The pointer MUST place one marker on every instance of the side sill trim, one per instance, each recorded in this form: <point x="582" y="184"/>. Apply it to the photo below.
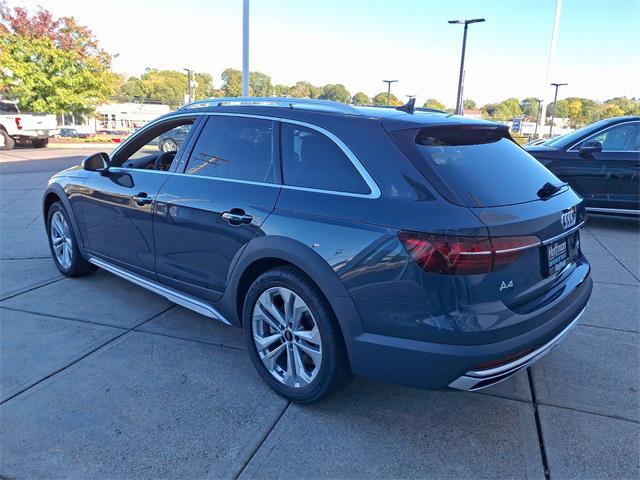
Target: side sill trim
<point x="186" y="301"/>
<point x="619" y="211"/>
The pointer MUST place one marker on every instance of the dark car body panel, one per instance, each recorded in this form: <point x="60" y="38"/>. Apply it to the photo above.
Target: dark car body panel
<point x="607" y="180"/>
<point x="399" y="322"/>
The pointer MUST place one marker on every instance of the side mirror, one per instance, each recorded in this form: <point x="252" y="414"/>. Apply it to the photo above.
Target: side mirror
<point x="590" y="147"/>
<point x="98" y="162"/>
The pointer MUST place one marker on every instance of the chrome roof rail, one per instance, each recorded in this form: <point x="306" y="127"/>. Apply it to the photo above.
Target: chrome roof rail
<point x="282" y="102"/>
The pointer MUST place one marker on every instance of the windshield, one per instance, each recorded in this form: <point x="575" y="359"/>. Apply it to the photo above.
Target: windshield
<point x="476" y="167"/>
<point x="570" y="138"/>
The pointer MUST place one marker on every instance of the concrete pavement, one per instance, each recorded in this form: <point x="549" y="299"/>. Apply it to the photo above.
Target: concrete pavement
<point x="101" y="379"/>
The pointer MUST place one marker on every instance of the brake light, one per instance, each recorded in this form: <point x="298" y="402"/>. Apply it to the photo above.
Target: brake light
<point x="454" y="255"/>
<point x="18" y="122"/>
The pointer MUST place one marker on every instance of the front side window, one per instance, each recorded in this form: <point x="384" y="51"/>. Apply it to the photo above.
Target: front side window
<point x="312" y="160"/>
<point x="156" y="147"/>
<point x="624" y="137"/>
<point x="236" y="148"/>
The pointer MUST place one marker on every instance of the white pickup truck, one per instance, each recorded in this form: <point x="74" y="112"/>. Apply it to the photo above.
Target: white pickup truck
<point x="35" y="128"/>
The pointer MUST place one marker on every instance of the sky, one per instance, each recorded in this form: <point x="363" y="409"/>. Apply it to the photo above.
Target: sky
<point x="361" y="42"/>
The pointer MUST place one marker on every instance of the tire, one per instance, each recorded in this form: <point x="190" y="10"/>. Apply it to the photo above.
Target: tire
<point x="169" y="145"/>
<point x="6" y="142"/>
<point x="319" y="363"/>
<point x="39" y="142"/>
<point x="60" y="232"/>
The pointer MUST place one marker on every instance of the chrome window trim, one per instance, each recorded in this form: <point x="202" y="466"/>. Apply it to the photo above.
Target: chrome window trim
<point x="364" y="173"/>
<point x="571" y="148"/>
<point x="169" y="293"/>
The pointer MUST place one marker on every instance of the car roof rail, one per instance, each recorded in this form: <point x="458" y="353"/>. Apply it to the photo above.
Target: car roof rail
<point x="282" y="102"/>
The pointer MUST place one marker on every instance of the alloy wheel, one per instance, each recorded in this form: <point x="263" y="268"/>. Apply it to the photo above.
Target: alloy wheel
<point x="286" y="337"/>
<point x="61" y="240"/>
<point x="169" y="146"/>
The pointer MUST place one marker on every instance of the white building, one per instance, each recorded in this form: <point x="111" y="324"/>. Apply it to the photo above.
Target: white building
<point x="127" y="116"/>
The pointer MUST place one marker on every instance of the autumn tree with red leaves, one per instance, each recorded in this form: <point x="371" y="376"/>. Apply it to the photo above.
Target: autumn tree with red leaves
<point x="52" y="65"/>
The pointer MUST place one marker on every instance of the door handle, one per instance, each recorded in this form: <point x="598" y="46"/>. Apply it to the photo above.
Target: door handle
<point x="142" y="199"/>
<point x="236" y="216"/>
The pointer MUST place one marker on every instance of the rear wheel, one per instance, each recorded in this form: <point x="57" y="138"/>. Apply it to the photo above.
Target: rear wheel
<point x="63" y="244"/>
<point x="293" y="338"/>
<point x="40" y="142"/>
<point x="6" y="142"/>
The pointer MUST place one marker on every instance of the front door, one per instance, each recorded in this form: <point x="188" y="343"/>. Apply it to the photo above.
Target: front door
<point x="117" y="207"/>
<point x="208" y="211"/>
<point x="609" y="178"/>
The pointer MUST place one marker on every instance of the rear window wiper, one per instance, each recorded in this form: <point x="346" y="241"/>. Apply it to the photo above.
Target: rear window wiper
<point x="549" y="189"/>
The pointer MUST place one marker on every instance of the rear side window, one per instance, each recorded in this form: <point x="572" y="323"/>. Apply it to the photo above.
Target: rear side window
<point x="475" y="166"/>
<point x="312" y="160"/>
<point x="236" y="148"/>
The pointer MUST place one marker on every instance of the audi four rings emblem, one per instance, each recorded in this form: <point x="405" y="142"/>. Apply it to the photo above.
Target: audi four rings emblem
<point x="568" y="218"/>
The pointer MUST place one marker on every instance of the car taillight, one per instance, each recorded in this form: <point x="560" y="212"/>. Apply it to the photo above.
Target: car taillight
<point x="454" y="255"/>
<point x="18" y="122"/>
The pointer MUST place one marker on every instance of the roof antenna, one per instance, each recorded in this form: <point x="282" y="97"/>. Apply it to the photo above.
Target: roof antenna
<point x="409" y="107"/>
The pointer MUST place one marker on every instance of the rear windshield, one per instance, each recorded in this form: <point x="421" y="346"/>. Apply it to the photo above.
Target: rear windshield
<point x="475" y="166"/>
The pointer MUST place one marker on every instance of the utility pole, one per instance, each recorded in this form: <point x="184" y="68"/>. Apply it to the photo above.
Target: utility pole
<point x="539" y="100"/>
<point x="189" y="82"/>
<point x="464" y="47"/>
<point x="555" y="104"/>
<point x="552" y="52"/>
<point x="245" y="48"/>
<point x="389" y="82"/>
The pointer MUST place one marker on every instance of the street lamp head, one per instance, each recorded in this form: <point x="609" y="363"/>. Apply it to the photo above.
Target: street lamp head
<point x="465" y="22"/>
<point x="390" y="81"/>
<point x="558" y="84"/>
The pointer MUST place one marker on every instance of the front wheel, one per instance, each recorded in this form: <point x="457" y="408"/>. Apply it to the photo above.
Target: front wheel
<point x="293" y="338"/>
<point x="63" y="244"/>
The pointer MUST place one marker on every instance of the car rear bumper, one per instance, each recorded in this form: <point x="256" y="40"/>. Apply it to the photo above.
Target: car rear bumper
<point x="479" y="379"/>
<point x="436" y="366"/>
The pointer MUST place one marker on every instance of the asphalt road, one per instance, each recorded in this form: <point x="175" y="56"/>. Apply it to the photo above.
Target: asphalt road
<point x="101" y="379"/>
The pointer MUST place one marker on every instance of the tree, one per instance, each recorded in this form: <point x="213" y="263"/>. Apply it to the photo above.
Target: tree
<point x="381" y="99"/>
<point x="562" y="110"/>
<point x="336" y="92"/>
<point x="575" y="113"/>
<point x="469" y="104"/>
<point x="434" y="104"/>
<point x="280" y="90"/>
<point x="260" y="85"/>
<point x="610" y="110"/>
<point x="232" y="82"/>
<point x="360" y="99"/>
<point x="304" y="90"/>
<point x="52" y="65"/>
<point x="530" y="108"/>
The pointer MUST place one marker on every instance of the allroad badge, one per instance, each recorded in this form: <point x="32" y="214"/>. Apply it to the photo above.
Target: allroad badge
<point x="568" y="218"/>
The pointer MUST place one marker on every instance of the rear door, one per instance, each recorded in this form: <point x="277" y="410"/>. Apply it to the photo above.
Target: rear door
<point x="209" y="210"/>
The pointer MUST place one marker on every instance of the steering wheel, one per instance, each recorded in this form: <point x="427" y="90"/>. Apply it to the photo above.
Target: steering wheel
<point x="163" y="161"/>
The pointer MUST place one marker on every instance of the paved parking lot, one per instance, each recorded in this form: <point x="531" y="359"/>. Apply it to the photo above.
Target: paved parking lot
<point x="101" y="379"/>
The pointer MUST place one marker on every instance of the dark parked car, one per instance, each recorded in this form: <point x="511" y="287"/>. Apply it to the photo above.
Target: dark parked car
<point x="601" y="162"/>
<point x="412" y="247"/>
<point x="171" y="141"/>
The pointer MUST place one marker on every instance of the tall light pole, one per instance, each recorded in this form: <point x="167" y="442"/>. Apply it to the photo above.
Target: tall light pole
<point x="464" y="47"/>
<point x="389" y="82"/>
<point x="245" y="48"/>
<point x="539" y="100"/>
<point x="555" y="104"/>
<point x="552" y="52"/>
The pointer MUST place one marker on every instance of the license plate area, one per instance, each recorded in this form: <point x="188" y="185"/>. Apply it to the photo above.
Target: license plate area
<point x="560" y="253"/>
